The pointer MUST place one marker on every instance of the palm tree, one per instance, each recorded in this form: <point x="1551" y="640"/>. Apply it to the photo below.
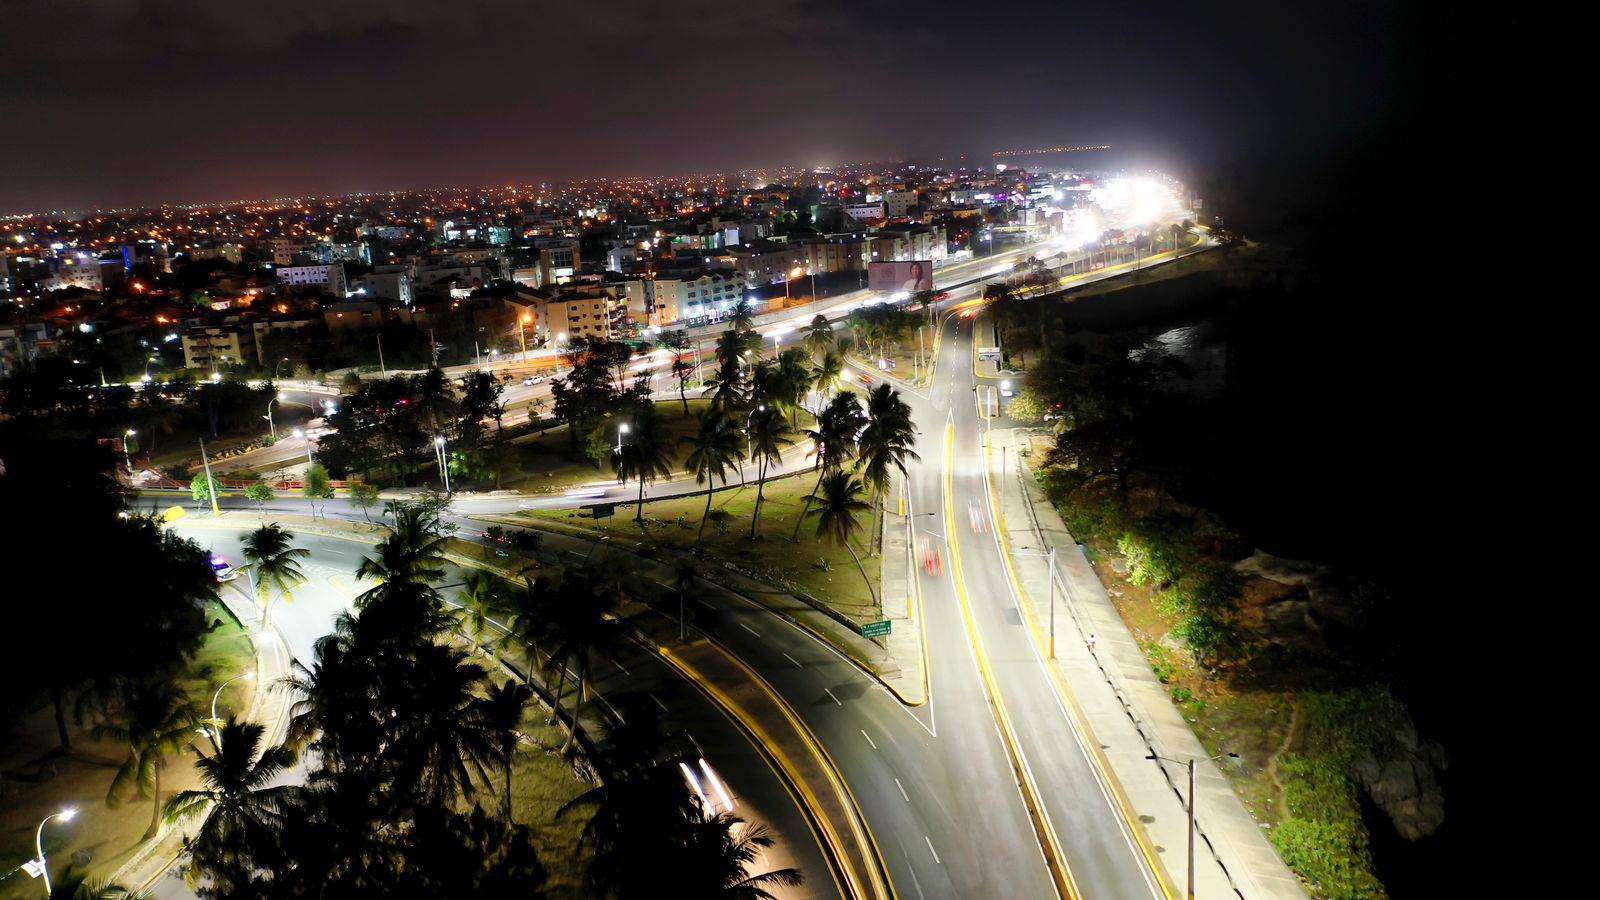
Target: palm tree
<point x="716" y="857"/>
<point x="580" y="627"/>
<point x="827" y="375"/>
<point x="77" y="885"/>
<point x="819" y="336"/>
<point x="441" y="741"/>
<point x="528" y="619"/>
<point x="502" y="712"/>
<point x="885" y="444"/>
<point x="274" y="564"/>
<point x="434" y="402"/>
<point x="413" y="552"/>
<point x="835" y="438"/>
<point x="791" y="381"/>
<point x="482" y="594"/>
<point x="643" y="456"/>
<point x="727" y="388"/>
<point x="740" y="316"/>
<point x="237" y="791"/>
<point x="156" y="719"/>
<point x="838" y="499"/>
<point x="640" y="805"/>
<point x="769" y="434"/>
<point x="713" y="449"/>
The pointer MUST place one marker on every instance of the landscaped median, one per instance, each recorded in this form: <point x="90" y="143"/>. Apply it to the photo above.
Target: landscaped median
<point x="817" y="585"/>
<point x="775" y="730"/>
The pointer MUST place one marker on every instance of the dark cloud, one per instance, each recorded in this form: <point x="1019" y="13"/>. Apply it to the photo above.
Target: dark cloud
<point x="111" y="102"/>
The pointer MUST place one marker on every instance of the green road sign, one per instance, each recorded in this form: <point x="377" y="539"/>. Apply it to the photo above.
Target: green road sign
<point x="876" y="629"/>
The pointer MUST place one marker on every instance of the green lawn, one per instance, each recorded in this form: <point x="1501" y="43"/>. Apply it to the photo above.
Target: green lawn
<point x="107" y="835"/>
<point x="824" y="571"/>
<point x="542" y="783"/>
<point x="548" y="464"/>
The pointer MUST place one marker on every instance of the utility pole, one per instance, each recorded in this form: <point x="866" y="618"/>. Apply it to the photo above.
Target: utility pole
<point x="1050" y="576"/>
<point x="211" y="485"/>
<point x="433" y="346"/>
<point x="381" y="367"/>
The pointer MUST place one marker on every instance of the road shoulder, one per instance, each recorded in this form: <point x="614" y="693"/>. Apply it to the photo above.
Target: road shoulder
<point x="1122" y="703"/>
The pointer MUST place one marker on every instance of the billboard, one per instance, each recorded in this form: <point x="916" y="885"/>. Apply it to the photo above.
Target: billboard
<point x="897" y="277"/>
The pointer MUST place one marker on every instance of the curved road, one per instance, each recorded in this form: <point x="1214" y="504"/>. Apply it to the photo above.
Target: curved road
<point x="939" y="783"/>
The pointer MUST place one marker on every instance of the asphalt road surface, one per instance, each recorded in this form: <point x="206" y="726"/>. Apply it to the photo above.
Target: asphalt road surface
<point x="936" y="783"/>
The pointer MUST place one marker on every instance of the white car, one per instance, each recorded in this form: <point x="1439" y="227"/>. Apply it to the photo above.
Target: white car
<point x="533" y="380"/>
<point x="224" y="571"/>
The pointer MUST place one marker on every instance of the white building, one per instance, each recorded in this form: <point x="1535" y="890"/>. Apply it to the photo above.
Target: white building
<point x="329" y="277"/>
<point x="865" y="212"/>
<point x="387" y="283"/>
<point x="899" y="203"/>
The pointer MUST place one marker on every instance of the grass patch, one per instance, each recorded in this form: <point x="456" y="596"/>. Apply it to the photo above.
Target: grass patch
<point x="826" y="572"/>
<point x="548" y="463"/>
<point x="108" y="835"/>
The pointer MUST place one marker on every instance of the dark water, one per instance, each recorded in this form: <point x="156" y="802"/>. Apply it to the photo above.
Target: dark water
<point x="1309" y="428"/>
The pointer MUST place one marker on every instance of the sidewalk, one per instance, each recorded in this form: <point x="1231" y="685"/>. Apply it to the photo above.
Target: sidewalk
<point x="269" y="705"/>
<point x="1125" y="707"/>
<point x="904" y="645"/>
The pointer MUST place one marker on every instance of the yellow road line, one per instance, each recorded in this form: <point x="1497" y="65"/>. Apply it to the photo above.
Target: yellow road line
<point x="881" y="885"/>
<point x="1097" y="754"/>
<point x="805" y="800"/>
<point x="1055" y="859"/>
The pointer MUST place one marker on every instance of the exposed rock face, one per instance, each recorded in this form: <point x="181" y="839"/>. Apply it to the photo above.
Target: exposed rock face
<point x="1404" y="785"/>
<point x="1289" y="603"/>
<point x="1300" y="606"/>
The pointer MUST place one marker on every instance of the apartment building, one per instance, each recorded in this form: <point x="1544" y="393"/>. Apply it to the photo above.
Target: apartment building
<point x="330" y="278"/>
<point x="213" y="346"/>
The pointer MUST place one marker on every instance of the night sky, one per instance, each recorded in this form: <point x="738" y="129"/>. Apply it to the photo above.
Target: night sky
<point x="109" y="103"/>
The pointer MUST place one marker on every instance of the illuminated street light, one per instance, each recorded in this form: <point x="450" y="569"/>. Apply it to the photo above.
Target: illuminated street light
<point x="216" y="723"/>
<point x="303" y="436"/>
<point x="442" y="455"/>
<point x="272" y="429"/>
<point x="40" y="864"/>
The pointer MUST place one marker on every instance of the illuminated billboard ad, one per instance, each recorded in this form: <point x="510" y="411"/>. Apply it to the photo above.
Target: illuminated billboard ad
<point x="895" y="277"/>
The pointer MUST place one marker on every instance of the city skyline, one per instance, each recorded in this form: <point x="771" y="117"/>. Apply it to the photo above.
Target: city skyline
<point x="200" y="103"/>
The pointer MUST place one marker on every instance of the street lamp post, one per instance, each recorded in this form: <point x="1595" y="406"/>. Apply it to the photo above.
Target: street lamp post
<point x="1190" y="765"/>
<point x="125" y="435"/>
<point x="790" y="276"/>
<point x="1050" y="585"/>
<point x="272" y="427"/>
<point x="307" y="438"/>
<point x="216" y="726"/>
<point x="440" y="451"/>
<point x="278" y="366"/>
<point x="622" y="429"/>
<point x="38" y="844"/>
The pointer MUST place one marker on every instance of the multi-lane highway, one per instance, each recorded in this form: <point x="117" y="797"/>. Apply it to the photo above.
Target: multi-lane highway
<point x="987" y="789"/>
